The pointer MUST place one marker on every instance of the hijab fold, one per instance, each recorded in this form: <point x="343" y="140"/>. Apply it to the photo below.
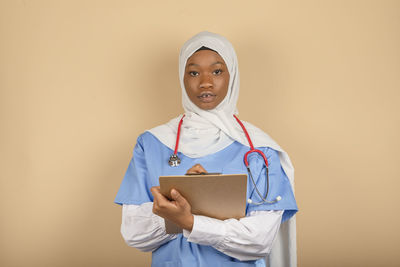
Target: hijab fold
<point x="206" y="132"/>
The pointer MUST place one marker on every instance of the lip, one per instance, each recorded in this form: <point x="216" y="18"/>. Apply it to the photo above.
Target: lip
<point x="207" y="99"/>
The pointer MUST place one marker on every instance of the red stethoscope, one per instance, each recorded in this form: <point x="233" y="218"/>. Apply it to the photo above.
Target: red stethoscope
<point x="174" y="161"/>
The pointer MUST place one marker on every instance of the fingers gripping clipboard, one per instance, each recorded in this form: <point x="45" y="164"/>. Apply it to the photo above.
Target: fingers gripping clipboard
<point x="220" y="196"/>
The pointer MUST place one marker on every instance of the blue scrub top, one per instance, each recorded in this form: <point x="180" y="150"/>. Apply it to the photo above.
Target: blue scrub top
<point x="150" y="161"/>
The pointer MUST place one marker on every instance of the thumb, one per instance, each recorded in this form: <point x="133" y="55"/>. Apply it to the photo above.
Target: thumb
<point x="178" y="197"/>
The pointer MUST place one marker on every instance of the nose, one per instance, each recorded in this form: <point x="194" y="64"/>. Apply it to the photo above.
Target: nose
<point x="206" y="81"/>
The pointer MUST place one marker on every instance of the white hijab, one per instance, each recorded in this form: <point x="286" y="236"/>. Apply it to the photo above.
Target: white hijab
<point x="205" y="132"/>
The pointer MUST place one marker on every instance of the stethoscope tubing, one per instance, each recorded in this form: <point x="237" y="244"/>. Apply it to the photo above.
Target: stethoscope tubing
<point x="175" y="161"/>
<point x="178" y="135"/>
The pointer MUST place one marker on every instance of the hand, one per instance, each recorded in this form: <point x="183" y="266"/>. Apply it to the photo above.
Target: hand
<point x="196" y="169"/>
<point x="178" y="210"/>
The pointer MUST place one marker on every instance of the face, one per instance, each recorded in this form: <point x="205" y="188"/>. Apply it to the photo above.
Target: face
<point x="206" y="79"/>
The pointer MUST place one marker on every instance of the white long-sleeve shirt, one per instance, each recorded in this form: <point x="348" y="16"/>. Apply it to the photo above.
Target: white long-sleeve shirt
<point x="249" y="238"/>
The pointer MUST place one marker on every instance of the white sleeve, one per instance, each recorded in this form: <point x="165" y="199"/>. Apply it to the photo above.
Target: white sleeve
<point x="249" y="238"/>
<point x="142" y="229"/>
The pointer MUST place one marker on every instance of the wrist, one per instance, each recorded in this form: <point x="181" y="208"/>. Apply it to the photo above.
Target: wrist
<point x="188" y="224"/>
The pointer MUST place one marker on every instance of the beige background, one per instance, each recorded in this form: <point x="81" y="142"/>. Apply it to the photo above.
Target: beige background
<point x="80" y="80"/>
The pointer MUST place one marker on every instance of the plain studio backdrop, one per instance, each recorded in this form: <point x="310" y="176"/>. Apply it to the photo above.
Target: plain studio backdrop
<point x="80" y="80"/>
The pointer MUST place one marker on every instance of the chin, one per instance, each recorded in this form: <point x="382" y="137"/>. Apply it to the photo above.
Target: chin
<point x="206" y="107"/>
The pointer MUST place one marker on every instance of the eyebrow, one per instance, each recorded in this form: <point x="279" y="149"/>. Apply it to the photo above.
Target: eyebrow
<point x="218" y="62"/>
<point x="197" y="65"/>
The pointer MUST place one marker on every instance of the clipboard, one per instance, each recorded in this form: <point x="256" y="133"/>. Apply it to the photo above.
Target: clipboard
<point x="220" y="196"/>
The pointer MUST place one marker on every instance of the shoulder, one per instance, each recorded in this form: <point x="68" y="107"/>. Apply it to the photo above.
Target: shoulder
<point x="164" y="134"/>
<point x="148" y="147"/>
<point x="261" y="138"/>
<point x="145" y="139"/>
<point x="270" y="152"/>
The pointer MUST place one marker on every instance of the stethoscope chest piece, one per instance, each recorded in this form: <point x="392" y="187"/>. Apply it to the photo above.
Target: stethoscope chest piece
<point x="174" y="161"/>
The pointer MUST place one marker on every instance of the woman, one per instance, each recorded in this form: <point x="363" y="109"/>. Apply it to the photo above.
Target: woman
<point x="211" y="139"/>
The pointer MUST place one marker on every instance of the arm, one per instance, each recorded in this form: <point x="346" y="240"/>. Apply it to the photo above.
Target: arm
<point x="249" y="238"/>
<point x="142" y="229"/>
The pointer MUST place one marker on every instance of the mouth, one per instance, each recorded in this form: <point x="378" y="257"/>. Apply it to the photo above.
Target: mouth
<point x="206" y="97"/>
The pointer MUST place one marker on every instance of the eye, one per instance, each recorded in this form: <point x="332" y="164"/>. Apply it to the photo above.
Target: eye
<point x="217" y="72"/>
<point x="193" y="73"/>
